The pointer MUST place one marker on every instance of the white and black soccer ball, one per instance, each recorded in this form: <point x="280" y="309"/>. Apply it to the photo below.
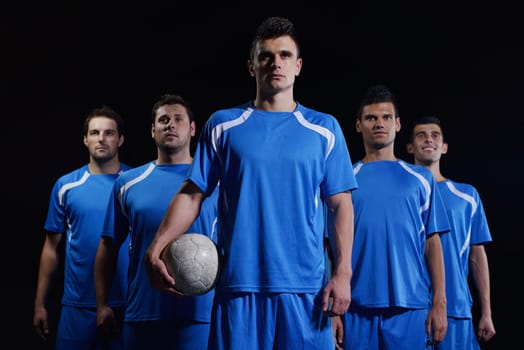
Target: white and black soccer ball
<point x="193" y="260"/>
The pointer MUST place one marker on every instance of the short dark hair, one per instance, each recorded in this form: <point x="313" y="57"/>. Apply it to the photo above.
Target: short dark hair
<point x="271" y="28"/>
<point x="108" y="112"/>
<point x="171" y="99"/>
<point x="427" y="119"/>
<point x="377" y="94"/>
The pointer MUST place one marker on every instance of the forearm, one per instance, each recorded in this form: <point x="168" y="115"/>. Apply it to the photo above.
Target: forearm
<point x="104" y="270"/>
<point x="435" y="262"/>
<point x="49" y="263"/>
<point x="341" y="224"/>
<point x="480" y="275"/>
<point x="180" y="214"/>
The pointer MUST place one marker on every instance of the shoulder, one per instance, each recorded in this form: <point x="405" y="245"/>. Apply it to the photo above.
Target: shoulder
<point x="74" y="175"/>
<point x="124" y="167"/>
<point x="463" y="187"/>
<point x="415" y="167"/>
<point x="133" y="172"/>
<point x="315" y="116"/>
<point x="418" y="171"/>
<point x="357" y="165"/>
<point x="228" y="114"/>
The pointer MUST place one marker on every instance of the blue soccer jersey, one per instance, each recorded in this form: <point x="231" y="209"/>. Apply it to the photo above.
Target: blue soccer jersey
<point x="397" y="205"/>
<point x="139" y="201"/>
<point x="77" y="207"/>
<point x="273" y="169"/>
<point x="469" y="226"/>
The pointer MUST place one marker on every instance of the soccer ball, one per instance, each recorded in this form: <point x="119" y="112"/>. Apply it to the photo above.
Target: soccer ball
<point x="193" y="261"/>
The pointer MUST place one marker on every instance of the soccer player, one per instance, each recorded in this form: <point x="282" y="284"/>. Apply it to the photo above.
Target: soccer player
<point x="154" y="319"/>
<point x="77" y="207"/>
<point x="275" y="160"/>
<point x="397" y="254"/>
<point x="463" y="247"/>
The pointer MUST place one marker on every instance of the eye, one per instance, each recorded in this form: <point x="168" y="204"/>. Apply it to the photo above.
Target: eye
<point x="264" y="56"/>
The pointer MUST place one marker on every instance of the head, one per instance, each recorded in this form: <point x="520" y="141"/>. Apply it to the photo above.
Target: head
<point x="274" y="58"/>
<point x="426" y="141"/>
<point x="377" y="117"/>
<point x="172" y="124"/>
<point x="103" y="133"/>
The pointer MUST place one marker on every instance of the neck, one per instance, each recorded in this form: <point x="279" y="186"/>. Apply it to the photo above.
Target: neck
<point x="280" y="102"/>
<point x="379" y="154"/>
<point x="111" y="166"/>
<point x="434" y="167"/>
<point x="180" y="157"/>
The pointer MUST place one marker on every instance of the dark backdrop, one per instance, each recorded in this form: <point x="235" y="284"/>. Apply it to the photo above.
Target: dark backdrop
<point x="461" y="62"/>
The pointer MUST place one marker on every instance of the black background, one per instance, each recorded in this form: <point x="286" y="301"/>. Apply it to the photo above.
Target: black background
<point x="460" y="61"/>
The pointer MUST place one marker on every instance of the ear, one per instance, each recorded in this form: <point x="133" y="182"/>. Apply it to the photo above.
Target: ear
<point x="192" y="127"/>
<point x="409" y="148"/>
<point x="152" y="130"/>
<point x="121" y="140"/>
<point x="398" y="125"/>
<point x="85" y="140"/>
<point x="357" y="125"/>
<point x="444" y="148"/>
<point x="250" y="68"/>
<point x="299" y="67"/>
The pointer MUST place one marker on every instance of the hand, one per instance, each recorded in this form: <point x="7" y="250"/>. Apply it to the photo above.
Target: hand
<point x="486" y="329"/>
<point x="106" y="322"/>
<point x="437" y="323"/>
<point x="158" y="274"/>
<point x="40" y="322"/>
<point x="338" y="331"/>
<point x="337" y="295"/>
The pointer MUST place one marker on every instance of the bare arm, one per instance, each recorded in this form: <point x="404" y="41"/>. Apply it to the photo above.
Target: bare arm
<point x="105" y="266"/>
<point x="336" y="321"/>
<point x="437" y="322"/>
<point x="49" y="263"/>
<point x="182" y="211"/>
<point x="340" y="226"/>
<point x="480" y="274"/>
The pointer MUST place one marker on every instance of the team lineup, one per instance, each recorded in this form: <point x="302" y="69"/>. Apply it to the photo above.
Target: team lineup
<point x="316" y="250"/>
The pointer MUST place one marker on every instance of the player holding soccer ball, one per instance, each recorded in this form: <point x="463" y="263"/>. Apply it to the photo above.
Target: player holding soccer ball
<point x="276" y="161"/>
<point x="154" y="319"/>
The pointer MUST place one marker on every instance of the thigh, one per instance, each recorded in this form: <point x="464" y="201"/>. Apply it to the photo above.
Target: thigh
<point x="301" y="324"/>
<point x="76" y="328"/>
<point x="361" y="326"/>
<point x="192" y="335"/>
<point x="404" y="329"/>
<point x="242" y="321"/>
<point x="147" y="335"/>
<point x="460" y="335"/>
<point x="165" y="335"/>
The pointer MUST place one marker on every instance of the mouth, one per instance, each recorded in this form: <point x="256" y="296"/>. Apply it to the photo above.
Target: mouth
<point x="379" y="133"/>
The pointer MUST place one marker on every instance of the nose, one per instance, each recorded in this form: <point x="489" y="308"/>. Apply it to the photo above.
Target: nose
<point x="379" y="123"/>
<point x="276" y="63"/>
<point x="170" y="124"/>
